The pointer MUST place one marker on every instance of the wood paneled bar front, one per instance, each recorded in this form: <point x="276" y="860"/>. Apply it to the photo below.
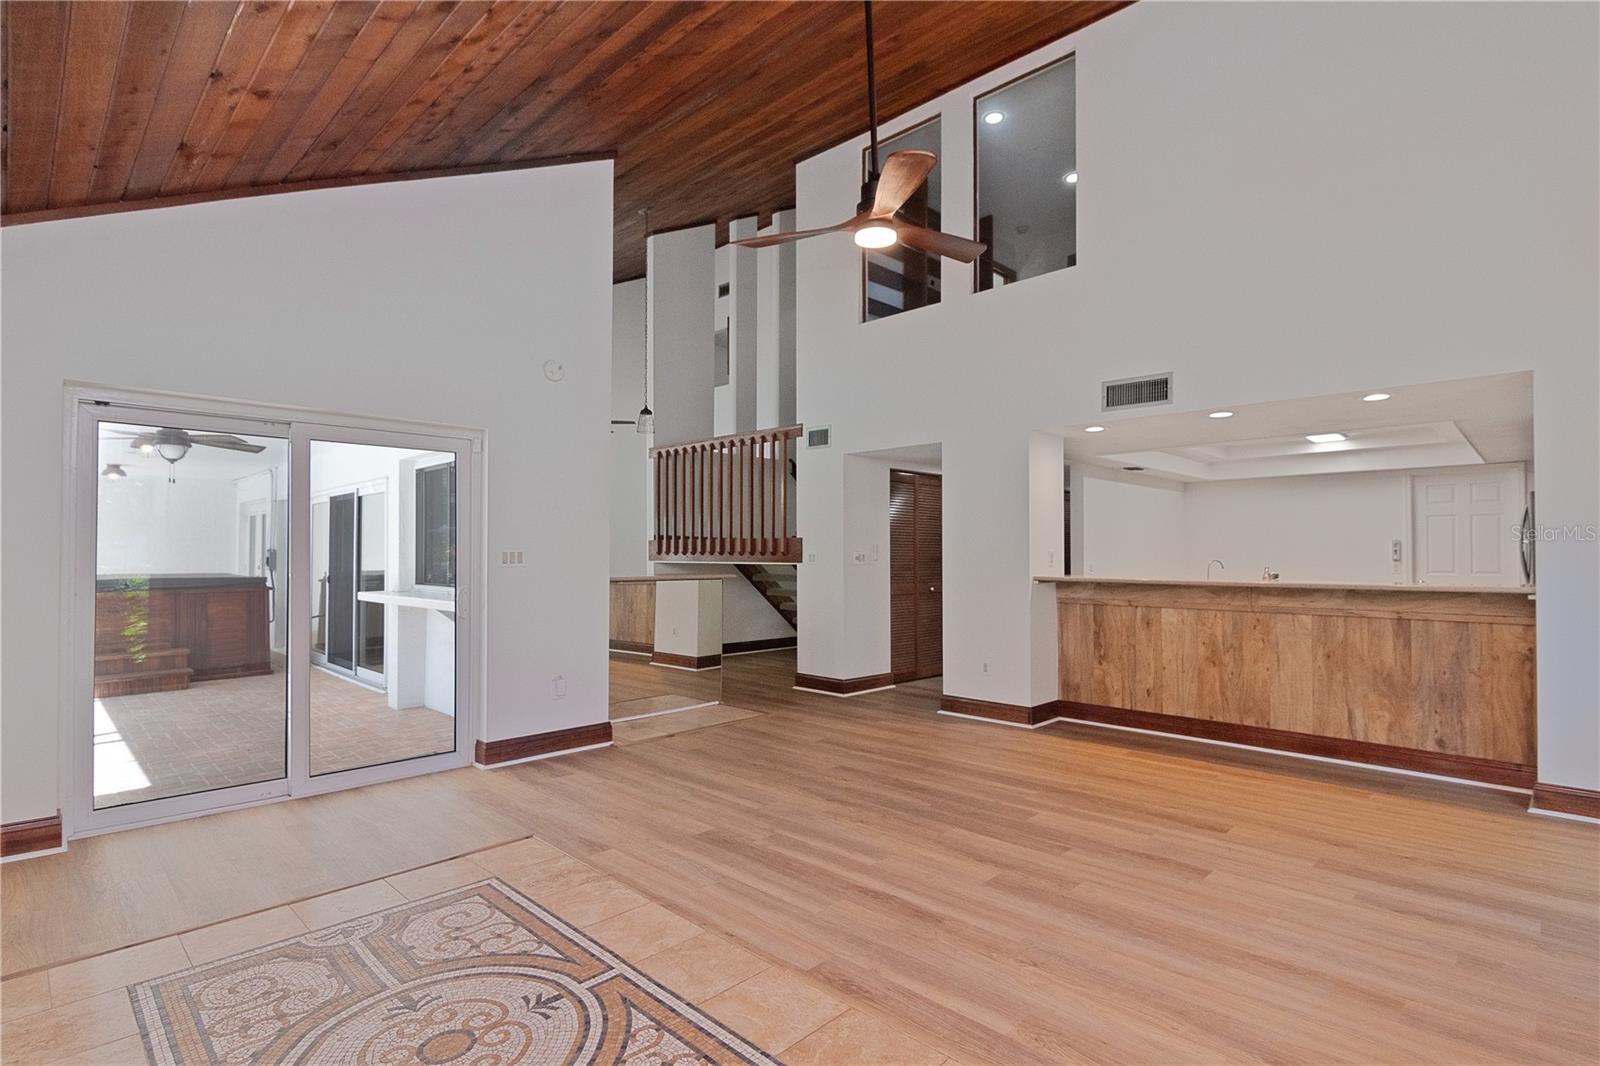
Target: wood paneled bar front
<point x="1439" y="680"/>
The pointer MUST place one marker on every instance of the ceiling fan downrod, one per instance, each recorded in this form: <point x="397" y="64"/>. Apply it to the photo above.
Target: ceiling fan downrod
<point x="872" y="99"/>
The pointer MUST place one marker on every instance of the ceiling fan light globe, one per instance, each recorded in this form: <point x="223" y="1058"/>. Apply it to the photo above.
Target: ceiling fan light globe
<point x="876" y="235"/>
<point x="172" y="451"/>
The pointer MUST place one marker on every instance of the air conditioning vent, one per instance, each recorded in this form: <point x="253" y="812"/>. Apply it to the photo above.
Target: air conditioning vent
<point x="1135" y="392"/>
<point x="820" y="437"/>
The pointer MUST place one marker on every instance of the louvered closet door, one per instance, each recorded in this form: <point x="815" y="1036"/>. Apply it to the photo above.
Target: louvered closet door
<point x="930" y="575"/>
<point x="916" y="587"/>
<point x="902" y="575"/>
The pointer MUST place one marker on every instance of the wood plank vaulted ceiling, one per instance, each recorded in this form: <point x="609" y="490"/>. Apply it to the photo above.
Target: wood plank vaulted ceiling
<point x="705" y="106"/>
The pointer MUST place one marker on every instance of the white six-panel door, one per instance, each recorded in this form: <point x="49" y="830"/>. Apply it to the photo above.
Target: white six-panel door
<point x="1465" y="526"/>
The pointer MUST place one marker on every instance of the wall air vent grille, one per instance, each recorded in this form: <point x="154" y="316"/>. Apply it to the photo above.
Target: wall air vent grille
<point x="819" y="437"/>
<point x="1136" y="392"/>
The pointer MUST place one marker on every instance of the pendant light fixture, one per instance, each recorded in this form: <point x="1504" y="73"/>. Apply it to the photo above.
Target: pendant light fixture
<point x="646" y="424"/>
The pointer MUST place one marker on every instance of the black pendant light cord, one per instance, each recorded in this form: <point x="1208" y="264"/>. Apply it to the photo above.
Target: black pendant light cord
<point x="872" y="91"/>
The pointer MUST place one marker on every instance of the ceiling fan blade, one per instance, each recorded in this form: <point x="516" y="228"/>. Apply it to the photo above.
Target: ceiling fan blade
<point x="225" y="440"/>
<point x="932" y="241"/>
<point x="903" y="174"/>
<point x="770" y="239"/>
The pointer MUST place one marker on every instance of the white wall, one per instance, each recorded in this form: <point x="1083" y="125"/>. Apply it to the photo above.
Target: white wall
<point x="435" y="301"/>
<point x="746" y="615"/>
<point x="775" y="328"/>
<point x="1335" y="527"/>
<point x="1277" y="200"/>
<point x="627" y="454"/>
<point x="1131" y="528"/>
<point x="148" y="526"/>
<point x="689" y="618"/>
<point x="1313" y="528"/>
<point x="681" y="272"/>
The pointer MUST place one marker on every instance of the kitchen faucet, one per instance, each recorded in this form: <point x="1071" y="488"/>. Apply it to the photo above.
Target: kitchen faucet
<point x="1216" y="563"/>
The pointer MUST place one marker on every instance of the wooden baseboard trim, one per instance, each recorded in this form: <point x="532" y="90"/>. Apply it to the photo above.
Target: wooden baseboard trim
<point x="511" y="749"/>
<point x="37" y="834"/>
<point x="770" y="644"/>
<point x="1012" y="713"/>
<point x="638" y="647"/>
<point x="1564" y="799"/>
<point x="843" y="686"/>
<point x="686" y="662"/>
<point x="1470" y="768"/>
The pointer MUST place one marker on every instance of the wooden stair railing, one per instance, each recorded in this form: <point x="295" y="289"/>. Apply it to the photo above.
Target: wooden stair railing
<point x="727" y="498"/>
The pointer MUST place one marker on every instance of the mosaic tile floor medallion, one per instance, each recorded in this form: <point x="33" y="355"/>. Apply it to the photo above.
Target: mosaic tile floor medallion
<point x="478" y="975"/>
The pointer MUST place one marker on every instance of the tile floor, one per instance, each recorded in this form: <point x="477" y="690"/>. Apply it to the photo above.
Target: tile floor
<point x="215" y="734"/>
<point x="79" y="1013"/>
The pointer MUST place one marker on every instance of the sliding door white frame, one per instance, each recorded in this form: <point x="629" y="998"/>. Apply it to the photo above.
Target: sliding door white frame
<point x="302" y="782"/>
<point x="79" y="609"/>
<point x="87" y="405"/>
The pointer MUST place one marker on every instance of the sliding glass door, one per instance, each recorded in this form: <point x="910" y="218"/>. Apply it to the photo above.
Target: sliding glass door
<point x="263" y="609"/>
<point x="384" y="690"/>
<point x="189" y="691"/>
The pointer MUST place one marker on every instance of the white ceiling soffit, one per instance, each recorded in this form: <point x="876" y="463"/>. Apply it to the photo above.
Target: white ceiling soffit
<point x="924" y="456"/>
<point x="1454" y="423"/>
<point x="1396" y="448"/>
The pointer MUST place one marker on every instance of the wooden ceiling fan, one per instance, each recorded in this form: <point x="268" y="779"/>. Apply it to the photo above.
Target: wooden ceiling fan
<point x="883" y="194"/>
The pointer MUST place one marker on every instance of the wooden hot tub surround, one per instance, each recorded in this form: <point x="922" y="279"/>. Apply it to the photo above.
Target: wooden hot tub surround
<point x="1439" y="680"/>
<point x="159" y="632"/>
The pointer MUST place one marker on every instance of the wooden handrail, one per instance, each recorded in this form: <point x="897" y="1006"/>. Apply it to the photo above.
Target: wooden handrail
<point x="726" y="498"/>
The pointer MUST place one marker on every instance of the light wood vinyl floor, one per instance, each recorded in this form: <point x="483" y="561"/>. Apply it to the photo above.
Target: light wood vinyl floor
<point x="1067" y="894"/>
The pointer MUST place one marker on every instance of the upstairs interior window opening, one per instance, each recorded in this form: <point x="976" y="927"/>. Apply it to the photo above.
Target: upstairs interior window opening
<point x="1027" y="176"/>
<point x="898" y="278"/>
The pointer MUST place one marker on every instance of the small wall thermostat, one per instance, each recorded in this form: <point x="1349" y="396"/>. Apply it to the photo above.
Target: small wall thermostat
<point x="554" y="371"/>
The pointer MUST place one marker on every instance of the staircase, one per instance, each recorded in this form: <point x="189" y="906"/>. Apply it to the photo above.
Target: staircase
<point x="777" y="585"/>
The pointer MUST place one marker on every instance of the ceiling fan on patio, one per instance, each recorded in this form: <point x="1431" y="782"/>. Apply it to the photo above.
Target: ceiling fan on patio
<point x="173" y="444"/>
<point x="883" y="194"/>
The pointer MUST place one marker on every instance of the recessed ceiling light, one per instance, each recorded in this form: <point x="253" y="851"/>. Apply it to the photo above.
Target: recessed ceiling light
<point x="1070" y="177"/>
<point x="1094" y="429"/>
<point x="1220" y="414"/>
<point x="994" y="118"/>
<point x="1325" y="438"/>
<point x="1374" y="397"/>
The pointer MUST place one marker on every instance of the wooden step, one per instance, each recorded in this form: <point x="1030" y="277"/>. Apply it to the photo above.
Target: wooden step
<point x="108" y="685"/>
<point x="149" y="661"/>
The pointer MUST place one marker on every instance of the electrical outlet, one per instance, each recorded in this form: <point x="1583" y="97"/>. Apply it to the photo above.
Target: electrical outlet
<point x="860" y="557"/>
<point x="558" y="687"/>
